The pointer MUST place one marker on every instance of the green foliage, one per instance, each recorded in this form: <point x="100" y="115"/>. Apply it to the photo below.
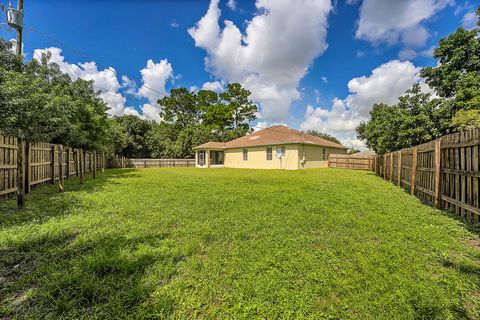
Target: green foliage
<point x="457" y="74"/>
<point x="353" y="151"/>
<point x="415" y="119"/>
<point x="40" y="103"/>
<point x="323" y="135"/>
<point x="193" y="118"/>
<point x="418" y="118"/>
<point x="135" y="132"/>
<point x="466" y="119"/>
<point x="184" y="243"/>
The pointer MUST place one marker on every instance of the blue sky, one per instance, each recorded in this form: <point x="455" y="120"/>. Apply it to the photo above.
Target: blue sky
<point x="309" y="64"/>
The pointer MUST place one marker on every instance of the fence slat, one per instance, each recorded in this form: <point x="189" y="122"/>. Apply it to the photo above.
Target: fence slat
<point x="444" y="172"/>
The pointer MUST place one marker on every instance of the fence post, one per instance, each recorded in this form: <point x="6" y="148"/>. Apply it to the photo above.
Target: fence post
<point x="60" y="168"/>
<point x="103" y="161"/>
<point x="20" y="173"/>
<point x="28" y="167"/>
<point x="385" y="166"/>
<point x="94" y="164"/>
<point x="414" y="170"/>
<point x="77" y="162"/>
<point x="53" y="165"/>
<point x="67" y="173"/>
<point x="391" y="166"/>
<point x="399" y="169"/>
<point x="80" y="164"/>
<point x="438" y="173"/>
<point x="122" y="163"/>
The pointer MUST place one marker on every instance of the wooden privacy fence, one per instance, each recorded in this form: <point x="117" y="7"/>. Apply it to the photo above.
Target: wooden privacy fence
<point x="444" y="172"/>
<point x="346" y="161"/>
<point x="44" y="163"/>
<point x="123" y="162"/>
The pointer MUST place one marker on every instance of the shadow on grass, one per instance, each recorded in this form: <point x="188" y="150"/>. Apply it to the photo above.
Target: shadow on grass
<point x="46" y="202"/>
<point x="68" y="276"/>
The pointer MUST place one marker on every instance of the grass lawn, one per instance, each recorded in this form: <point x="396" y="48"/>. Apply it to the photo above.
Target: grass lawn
<point x="220" y="243"/>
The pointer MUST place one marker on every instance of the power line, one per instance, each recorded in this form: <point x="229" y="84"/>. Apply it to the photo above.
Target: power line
<point x="79" y="54"/>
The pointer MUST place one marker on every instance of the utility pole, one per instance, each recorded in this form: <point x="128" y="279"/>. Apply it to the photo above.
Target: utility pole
<point x="15" y="20"/>
<point x="20" y="29"/>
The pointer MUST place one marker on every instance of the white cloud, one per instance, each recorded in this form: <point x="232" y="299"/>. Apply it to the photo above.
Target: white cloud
<point x="154" y="80"/>
<point x="213" y="86"/>
<point x="260" y="126"/>
<point x="469" y="20"/>
<point x="232" y="4"/>
<point x="129" y="85"/>
<point x="106" y="81"/>
<point x="272" y="56"/>
<point x="174" y="24"/>
<point x="401" y="21"/>
<point x="151" y="112"/>
<point x="384" y="85"/>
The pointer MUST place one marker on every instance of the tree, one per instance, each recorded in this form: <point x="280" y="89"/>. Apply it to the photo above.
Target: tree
<point x="41" y="103"/>
<point x="415" y="119"/>
<point x="243" y="110"/>
<point x="457" y="74"/>
<point x="136" y="130"/>
<point x="323" y="135"/>
<point x="466" y="120"/>
<point x="180" y="108"/>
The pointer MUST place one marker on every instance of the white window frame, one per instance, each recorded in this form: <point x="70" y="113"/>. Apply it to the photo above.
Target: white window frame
<point x="269" y="154"/>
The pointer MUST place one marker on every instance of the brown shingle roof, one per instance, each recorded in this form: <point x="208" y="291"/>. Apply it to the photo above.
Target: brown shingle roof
<point x="273" y="135"/>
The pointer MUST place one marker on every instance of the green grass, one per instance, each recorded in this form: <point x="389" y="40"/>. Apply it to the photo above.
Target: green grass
<point x="192" y="243"/>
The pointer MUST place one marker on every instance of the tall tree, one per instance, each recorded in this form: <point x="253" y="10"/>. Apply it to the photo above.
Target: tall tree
<point x="180" y="107"/>
<point x="457" y="73"/>
<point x="238" y="101"/>
<point x="415" y="119"/>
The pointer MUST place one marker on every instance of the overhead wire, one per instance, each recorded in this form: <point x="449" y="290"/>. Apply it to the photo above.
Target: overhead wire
<point x="78" y="53"/>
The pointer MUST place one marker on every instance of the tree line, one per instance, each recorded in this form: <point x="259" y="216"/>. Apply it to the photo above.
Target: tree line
<point x="419" y="117"/>
<point x="38" y="102"/>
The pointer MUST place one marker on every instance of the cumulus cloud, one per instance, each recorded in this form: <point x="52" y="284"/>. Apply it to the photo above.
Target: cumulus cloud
<point x="106" y="81"/>
<point x="390" y="21"/>
<point x="269" y="65"/>
<point x="154" y="80"/>
<point x="402" y="21"/>
<point x="216" y="86"/>
<point x="384" y="85"/>
<point x="469" y="20"/>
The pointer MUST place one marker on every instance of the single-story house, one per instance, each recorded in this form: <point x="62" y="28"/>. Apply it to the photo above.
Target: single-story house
<point x="277" y="147"/>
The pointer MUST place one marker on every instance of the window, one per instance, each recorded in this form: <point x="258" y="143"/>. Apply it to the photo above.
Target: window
<point x="280" y="152"/>
<point x="324" y="154"/>
<point x="245" y="154"/>
<point x="269" y="153"/>
<point x="201" y="157"/>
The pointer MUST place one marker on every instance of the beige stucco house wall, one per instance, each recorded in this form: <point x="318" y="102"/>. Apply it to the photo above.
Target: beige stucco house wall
<point x="302" y="151"/>
<point x="257" y="158"/>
